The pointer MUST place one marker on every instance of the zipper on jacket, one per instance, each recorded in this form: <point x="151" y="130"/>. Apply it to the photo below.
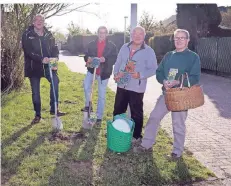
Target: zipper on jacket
<point x="131" y="58"/>
<point x="42" y="56"/>
<point x="31" y="64"/>
<point x="134" y="52"/>
<point x="40" y="47"/>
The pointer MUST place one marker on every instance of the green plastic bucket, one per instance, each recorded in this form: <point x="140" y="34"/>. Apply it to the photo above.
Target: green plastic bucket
<point x="118" y="141"/>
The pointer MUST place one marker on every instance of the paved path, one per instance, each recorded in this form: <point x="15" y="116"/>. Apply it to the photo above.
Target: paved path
<point x="208" y="127"/>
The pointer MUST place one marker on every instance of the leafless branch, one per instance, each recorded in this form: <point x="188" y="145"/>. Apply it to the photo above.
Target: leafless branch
<point x="58" y="10"/>
<point x="95" y="14"/>
<point x="73" y="9"/>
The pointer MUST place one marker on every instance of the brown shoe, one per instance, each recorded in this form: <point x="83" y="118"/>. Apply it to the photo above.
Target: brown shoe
<point x="141" y="149"/>
<point x="98" y="121"/>
<point x="173" y="157"/>
<point x="136" y="142"/>
<point x="36" y="120"/>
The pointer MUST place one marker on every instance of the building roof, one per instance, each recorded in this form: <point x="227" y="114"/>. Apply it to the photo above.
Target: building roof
<point x="169" y="20"/>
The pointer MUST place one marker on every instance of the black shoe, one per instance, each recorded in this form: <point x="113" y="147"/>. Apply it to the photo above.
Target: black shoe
<point x="98" y="121"/>
<point x="36" y="120"/>
<point x="59" y="113"/>
<point x="85" y="109"/>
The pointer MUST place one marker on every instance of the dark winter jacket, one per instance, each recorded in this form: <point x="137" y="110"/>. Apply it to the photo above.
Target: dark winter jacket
<point x="34" y="52"/>
<point x="110" y="55"/>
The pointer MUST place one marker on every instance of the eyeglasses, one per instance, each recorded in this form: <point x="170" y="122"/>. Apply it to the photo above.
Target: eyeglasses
<point x="179" y="38"/>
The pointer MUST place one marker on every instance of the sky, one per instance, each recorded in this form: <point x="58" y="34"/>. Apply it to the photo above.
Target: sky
<point x="111" y="13"/>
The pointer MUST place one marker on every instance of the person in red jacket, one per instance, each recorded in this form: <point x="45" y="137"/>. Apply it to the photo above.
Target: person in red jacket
<point x="107" y="52"/>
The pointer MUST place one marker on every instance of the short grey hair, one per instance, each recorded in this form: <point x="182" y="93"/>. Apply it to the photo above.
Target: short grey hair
<point x="38" y="15"/>
<point x="182" y="30"/>
<point x="102" y="27"/>
<point x="139" y="27"/>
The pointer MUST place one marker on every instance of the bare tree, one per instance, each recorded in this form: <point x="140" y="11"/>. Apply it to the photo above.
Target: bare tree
<point x="73" y="29"/>
<point x="59" y="36"/>
<point x="152" y="26"/>
<point x="148" y="22"/>
<point x="226" y="18"/>
<point x="15" y="19"/>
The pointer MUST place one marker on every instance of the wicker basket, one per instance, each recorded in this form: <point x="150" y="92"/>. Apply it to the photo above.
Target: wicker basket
<point x="184" y="98"/>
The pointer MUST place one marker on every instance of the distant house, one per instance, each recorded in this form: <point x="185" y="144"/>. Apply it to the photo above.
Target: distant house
<point x="170" y="20"/>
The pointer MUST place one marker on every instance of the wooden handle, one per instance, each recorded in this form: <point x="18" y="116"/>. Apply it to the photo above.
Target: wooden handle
<point x="92" y="88"/>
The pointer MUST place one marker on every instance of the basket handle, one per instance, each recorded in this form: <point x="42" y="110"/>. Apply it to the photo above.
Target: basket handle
<point x="182" y="80"/>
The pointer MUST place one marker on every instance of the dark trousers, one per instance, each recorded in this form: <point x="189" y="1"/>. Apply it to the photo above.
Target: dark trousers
<point x="135" y="100"/>
<point x="35" y="86"/>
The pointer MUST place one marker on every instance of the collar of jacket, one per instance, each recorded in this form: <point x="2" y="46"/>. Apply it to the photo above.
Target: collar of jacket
<point x="106" y="44"/>
<point x="142" y="46"/>
<point x="106" y="41"/>
<point x="46" y="31"/>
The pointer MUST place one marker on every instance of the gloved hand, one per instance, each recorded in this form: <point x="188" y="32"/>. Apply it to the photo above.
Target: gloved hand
<point x="93" y="62"/>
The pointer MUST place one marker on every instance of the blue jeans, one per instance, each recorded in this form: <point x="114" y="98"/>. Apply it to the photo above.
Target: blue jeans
<point x="102" y="89"/>
<point x="35" y="86"/>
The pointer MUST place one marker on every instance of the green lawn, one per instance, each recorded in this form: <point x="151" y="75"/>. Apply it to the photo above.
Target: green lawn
<point x="29" y="158"/>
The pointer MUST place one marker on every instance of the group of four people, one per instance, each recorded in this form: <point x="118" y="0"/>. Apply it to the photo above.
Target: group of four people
<point x="39" y="45"/>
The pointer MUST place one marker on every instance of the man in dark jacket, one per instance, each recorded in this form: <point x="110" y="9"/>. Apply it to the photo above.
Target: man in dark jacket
<point x="107" y="52"/>
<point x="39" y="45"/>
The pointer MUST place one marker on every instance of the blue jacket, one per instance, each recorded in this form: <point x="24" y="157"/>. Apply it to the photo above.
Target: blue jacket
<point x="146" y="65"/>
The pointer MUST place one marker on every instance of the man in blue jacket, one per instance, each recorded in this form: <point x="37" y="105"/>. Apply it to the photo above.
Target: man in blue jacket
<point x="174" y="64"/>
<point x="144" y="66"/>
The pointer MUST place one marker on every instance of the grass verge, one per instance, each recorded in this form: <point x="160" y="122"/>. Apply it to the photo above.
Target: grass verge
<point x="29" y="158"/>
